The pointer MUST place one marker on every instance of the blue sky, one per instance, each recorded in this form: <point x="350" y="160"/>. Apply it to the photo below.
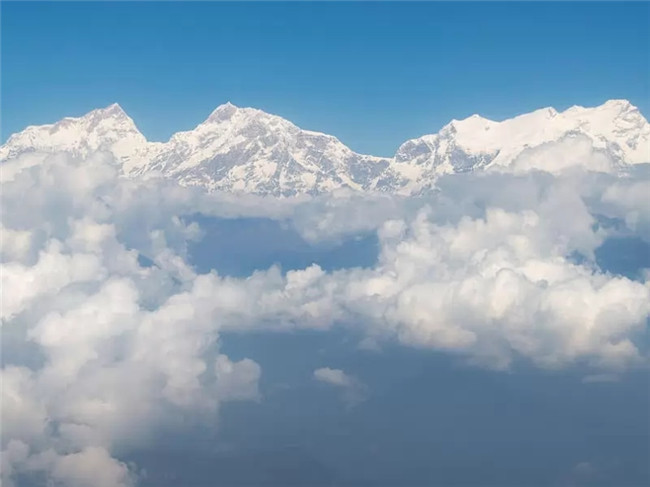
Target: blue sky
<point x="371" y="74"/>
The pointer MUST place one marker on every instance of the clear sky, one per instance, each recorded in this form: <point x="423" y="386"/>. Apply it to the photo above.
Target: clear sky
<point x="374" y="75"/>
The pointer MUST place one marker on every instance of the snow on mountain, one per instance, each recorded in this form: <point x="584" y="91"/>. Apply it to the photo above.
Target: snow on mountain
<point x="107" y="129"/>
<point x="607" y="137"/>
<point x="243" y="149"/>
<point x="248" y="150"/>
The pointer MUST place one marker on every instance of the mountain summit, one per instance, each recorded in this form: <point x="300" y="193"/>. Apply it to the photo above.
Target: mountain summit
<point x="248" y="150"/>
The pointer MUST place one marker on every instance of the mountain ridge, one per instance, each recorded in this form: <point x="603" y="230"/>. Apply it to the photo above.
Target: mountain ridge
<point x="243" y="149"/>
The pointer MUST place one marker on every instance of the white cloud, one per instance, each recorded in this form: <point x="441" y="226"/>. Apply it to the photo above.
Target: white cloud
<point x="574" y="151"/>
<point x="91" y="467"/>
<point x="121" y="348"/>
<point x="237" y="380"/>
<point x="630" y="201"/>
<point x="335" y="377"/>
<point x="353" y="391"/>
<point x="482" y="268"/>
<point x="499" y="286"/>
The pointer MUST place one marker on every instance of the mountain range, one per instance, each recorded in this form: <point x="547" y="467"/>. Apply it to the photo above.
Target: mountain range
<point x="247" y="150"/>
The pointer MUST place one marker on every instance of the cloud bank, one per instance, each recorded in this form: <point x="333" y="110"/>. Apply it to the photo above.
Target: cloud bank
<point x="109" y="333"/>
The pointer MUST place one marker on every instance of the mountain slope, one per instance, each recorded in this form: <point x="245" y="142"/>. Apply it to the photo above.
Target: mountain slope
<point x="248" y="150"/>
<point x="615" y="131"/>
<point x="108" y="129"/>
<point x="243" y="149"/>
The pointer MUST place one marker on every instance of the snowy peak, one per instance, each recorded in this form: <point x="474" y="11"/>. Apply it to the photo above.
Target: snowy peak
<point x="619" y="122"/>
<point x="249" y="150"/>
<point x="110" y="118"/>
<point x="109" y="129"/>
<point x="241" y="117"/>
<point x="223" y="112"/>
<point x="613" y="107"/>
<point x="113" y="111"/>
<point x="615" y="130"/>
<point x="245" y="149"/>
<point x="610" y="116"/>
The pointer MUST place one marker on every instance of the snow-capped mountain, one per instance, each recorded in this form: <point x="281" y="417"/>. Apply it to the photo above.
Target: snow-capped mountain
<point x="235" y="149"/>
<point x="243" y="149"/>
<point x="248" y="150"/>
<point x="607" y="137"/>
<point x="108" y="129"/>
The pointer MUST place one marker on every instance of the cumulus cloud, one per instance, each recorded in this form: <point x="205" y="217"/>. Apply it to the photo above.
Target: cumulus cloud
<point x="629" y="201"/>
<point x="571" y="152"/>
<point x="116" y="348"/>
<point x="335" y="377"/>
<point x="110" y="347"/>
<point x="499" y="286"/>
<point x="81" y="469"/>
<point x="353" y="390"/>
<point x="237" y="380"/>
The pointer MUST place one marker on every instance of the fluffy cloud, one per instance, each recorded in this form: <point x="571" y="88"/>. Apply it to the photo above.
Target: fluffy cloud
<point x="113" y="333"/>
<point x="571" y="152"/>
<point x="499" y="287"/>
<point x="353" y="390"/>
<point x="335" y="377"/>
<point x="81" y="469"/>
<point x="112" y="348"/>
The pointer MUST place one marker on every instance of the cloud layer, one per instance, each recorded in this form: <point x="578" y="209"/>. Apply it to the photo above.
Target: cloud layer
<point x="109" y="333"/>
